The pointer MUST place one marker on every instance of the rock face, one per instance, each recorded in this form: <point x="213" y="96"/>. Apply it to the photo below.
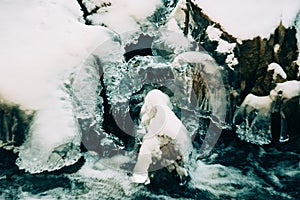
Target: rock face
<point x="249" y="72"/>
<point x="255" y="55"/>
<point x="291" y="109"/>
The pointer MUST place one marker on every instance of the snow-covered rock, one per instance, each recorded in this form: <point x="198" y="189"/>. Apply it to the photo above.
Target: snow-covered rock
<point x="164" y="131"/>
<point x="214" y="34"/>
<point x="253" y="120"/>
<point x="277" y="71"/>
<point x="253" y="117"/>
<point x="289" y="89"/>
<point x="127" y="15"/>
<point x="256" y="45"/>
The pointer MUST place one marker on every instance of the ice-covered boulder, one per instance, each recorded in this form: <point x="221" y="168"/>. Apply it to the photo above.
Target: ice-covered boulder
<point x="256" y="54"/>
<point x="254" y="119"/>
<point x="43" y="47"/>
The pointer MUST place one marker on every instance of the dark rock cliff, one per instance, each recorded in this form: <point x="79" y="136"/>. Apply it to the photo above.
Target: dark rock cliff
<point x="250" y="74"/>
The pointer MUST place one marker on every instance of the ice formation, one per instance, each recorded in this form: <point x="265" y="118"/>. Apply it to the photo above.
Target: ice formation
<point x="41" y="45"/>
<point x="253" y="118"/>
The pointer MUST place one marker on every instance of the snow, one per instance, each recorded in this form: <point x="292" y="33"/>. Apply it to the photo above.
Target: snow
<point x="253" y="119"/>
<point x="224" y="46"/>
<point x="127" y="15"/>
<point x="173" y="38"/>
<point x="276" y="48"/>
<point x="197" y="57"/>
<point x="289" y="89"/>
<point x="42" y="43"/>
<point x="231" y="60"/>
<point x="250" y="18"/>
<point x="160" y="121"/>
<point x="277" y="70"/>
<point x="41" y="40"/>
<point x="91" y="4"/>
<point x="214" y="34"/>
<point x="178" y="13"/>
<point x="257" y="102"/>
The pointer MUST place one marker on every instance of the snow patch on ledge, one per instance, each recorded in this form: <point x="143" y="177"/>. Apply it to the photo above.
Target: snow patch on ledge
<point x="250" y="18"/>
<point x="225" y="47"/>
<point x="257" y="102"/>
<point x="214" y="34"/>
<point x="277" y="70"/>
<point x="289" y="89"/>
<point x="122" y="15"/>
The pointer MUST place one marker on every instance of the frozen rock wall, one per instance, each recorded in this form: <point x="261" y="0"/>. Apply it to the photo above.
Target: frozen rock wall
<point x="248" y="60"/>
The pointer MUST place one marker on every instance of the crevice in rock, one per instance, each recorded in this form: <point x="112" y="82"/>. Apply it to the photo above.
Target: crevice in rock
<point x="109" y="124"/>
<point x="187" y="19"/>
<point x="86" y="12"/>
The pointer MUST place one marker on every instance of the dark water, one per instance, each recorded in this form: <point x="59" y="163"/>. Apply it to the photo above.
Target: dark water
<point x="234" y="170"/>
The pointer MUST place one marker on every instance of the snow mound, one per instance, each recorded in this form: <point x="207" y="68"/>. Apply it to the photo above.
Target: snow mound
<point x="277" y="70"/>
<point x="289" y="89"/>
<point x="214" y="34"/>
<point x="250" y="18"/>
<point x="127" y="15"/>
